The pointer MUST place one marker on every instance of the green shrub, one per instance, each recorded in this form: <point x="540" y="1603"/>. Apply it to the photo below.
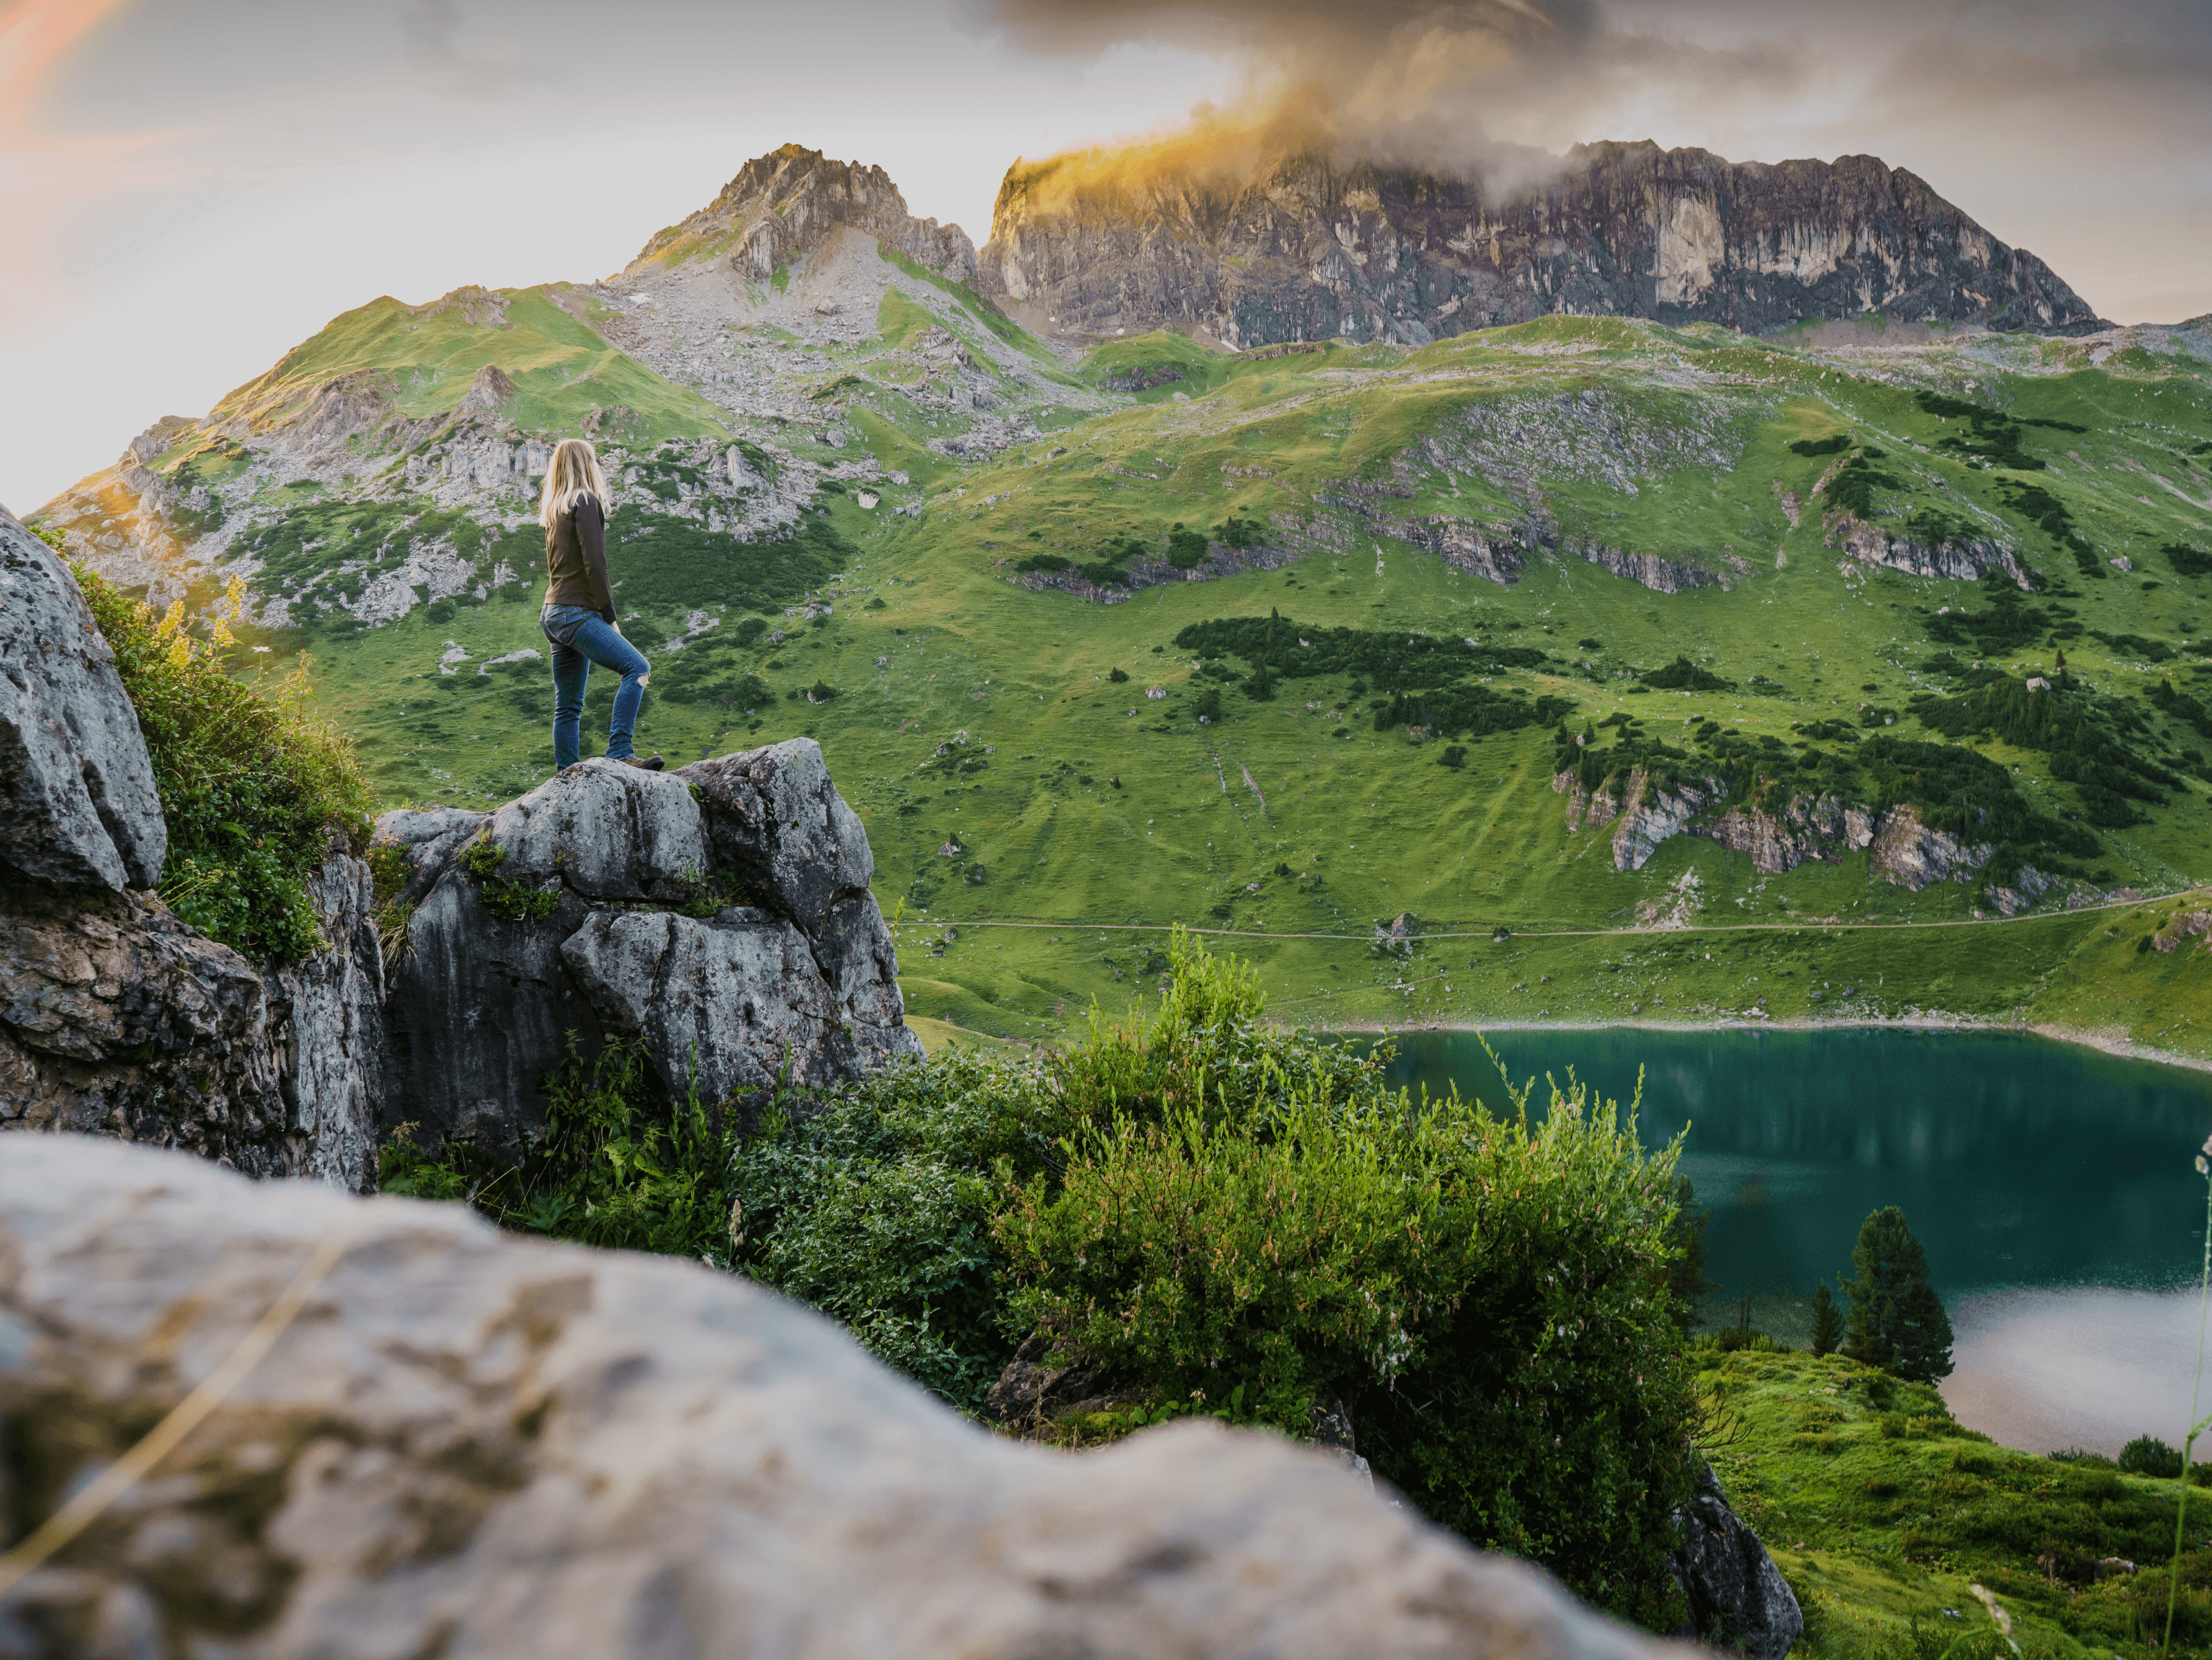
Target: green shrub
<point x="1488" y="1297"/>
<point x="254" y="788"/>
<point x="613" y="1168"/>
<point x="2148" y="1456"/>
<point x="516" y="901"/>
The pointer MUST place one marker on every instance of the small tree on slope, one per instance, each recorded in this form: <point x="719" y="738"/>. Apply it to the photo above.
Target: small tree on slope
<point x="1897" y="1320"/>
<point x="1827" y="1324"/>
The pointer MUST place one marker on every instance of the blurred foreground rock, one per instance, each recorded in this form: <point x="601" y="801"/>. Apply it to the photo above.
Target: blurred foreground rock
<point x="470" y="1445"/>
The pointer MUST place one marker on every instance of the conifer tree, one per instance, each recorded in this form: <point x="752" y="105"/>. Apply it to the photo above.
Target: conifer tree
<point x="1897" y="1320"/>
<point x="1827" y="1324"/>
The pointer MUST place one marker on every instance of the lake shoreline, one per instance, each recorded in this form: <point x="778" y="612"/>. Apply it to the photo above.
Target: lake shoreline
<point x="2117" y="1045"/>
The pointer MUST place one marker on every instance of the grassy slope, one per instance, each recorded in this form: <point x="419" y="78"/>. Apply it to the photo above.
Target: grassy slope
<point x="1263" y="825"/>
<point x="1883" y="1514"/>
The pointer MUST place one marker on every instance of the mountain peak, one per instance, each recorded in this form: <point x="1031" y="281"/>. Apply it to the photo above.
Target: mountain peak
<point x="783" y="204"/>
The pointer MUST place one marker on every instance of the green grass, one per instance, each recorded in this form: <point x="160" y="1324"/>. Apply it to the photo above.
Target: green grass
<point x="1883" y="1513"/>
<point x="1625" y="434"/>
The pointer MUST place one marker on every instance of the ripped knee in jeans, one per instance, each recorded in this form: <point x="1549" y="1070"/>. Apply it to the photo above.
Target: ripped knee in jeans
<point x="645" y="679"/>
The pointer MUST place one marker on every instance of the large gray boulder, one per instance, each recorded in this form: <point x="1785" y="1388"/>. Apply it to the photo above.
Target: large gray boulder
<point x="719" y="916"/>
<point x="1738" y="1598"/>
<point x="78" y="802"/>
<point x="474" y="1446"/>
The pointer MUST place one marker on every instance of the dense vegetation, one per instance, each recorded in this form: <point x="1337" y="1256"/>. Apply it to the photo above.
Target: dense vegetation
<point x="1223" y="1217"/>
<point x="255" y="788"/>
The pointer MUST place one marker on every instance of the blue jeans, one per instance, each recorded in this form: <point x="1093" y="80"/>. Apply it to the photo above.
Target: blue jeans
<point x="592" y="640"/>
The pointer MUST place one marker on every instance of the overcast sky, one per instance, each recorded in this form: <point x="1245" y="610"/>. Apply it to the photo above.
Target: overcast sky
<point x="192" y="186"/>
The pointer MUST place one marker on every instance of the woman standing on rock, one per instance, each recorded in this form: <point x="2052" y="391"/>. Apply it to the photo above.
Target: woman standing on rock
<point x="579" y="618"/>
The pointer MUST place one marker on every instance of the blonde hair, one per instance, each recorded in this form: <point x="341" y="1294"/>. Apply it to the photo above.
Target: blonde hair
<point x="574" y="471"/>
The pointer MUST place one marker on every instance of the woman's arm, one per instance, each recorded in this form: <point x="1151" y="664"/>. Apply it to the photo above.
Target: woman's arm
<point x="592" y="537"/>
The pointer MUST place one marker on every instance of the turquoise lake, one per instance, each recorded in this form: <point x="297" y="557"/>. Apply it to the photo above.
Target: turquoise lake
<point x="2052" y="1186"/>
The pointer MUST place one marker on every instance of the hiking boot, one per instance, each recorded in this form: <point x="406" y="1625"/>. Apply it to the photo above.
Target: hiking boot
<point x="644" y="762"/>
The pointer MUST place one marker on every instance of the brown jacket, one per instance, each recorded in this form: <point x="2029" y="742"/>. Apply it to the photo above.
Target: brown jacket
<point x="576" y="559"/>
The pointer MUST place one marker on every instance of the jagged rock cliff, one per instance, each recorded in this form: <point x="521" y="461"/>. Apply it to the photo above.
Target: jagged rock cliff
<point x="473" y="1444"/>
<point x="720" y="915"/>
<point x="1309" y="248"/>
<point x="786" y="202"/>
<point x="116" y="1018"/>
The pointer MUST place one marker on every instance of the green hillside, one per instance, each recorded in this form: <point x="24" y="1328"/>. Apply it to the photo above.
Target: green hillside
<point x="1382" y="726"/>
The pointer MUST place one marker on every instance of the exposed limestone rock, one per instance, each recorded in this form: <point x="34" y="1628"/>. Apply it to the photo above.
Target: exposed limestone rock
<point x="779" y="823"/>
<point x="608" y="832"/>
<point x="1956" y="561"/>
<point x="1653" y="814"/>
<point x="326" y="1019"/>
<point x="1738" y="1600"/>
<point x="118" y="1019"/>
<point x="1303" y="248"/>
<point x="2184" y="925"/>
<point x="1899" y="847"/>
<point x="484" y="1002"/>
<point x="1661" y="576"/>
<point x="1806" y="828"/>
<point x="1913" y="856"/>
<point x="785" y="203"/>
<point x="472" y="1444"/>
<point x="78" y="802"/>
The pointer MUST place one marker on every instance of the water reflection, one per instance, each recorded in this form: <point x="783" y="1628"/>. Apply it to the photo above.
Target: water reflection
<point x="2051" y="1185"/>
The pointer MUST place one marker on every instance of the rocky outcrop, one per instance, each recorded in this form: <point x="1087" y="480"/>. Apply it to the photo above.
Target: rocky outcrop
<point x="1963" y="561"/>
<point x="786" y="202"/>
<point x="77" y="801"/>
<point x="2181" y="926"/>
<point x="719" y="916"/>
<point x="1806" y="828"/>
<point x="1307" y="247"/>
<point x="1781" y="833"/>
<point x="468" y="1443"/>
<point x="1908" y="853"/>
<point x="1738" y="1600"/>
<point x="1651" y="813"/>
<point x="118" y="1019"/>
<point x="326" y="1024"/>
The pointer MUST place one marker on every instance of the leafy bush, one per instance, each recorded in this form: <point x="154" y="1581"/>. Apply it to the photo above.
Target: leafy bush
<point x="2187" y="561"/>
<point x="1835" y="445"/>
<point x="254" y="788"/>
<point x="613" y="1168"/>
<point x="1489" y="1297"/>
<point x="2148" y="1456"/>
<point x="1186" y="549"/>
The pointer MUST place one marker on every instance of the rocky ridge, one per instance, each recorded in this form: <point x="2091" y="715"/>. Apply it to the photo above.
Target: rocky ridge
<point x="1899" y="847"/>
<point x="1309" y="247"/>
